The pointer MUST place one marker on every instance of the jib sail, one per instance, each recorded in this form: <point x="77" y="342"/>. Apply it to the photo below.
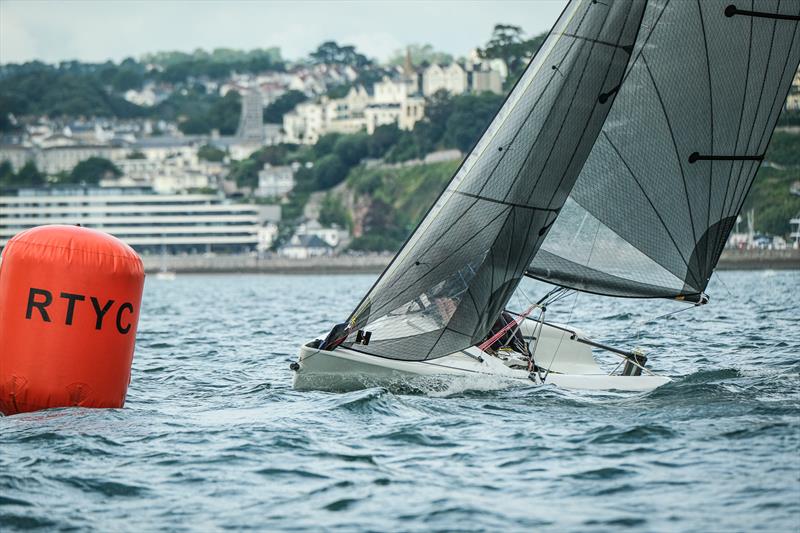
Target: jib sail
<point x="451" y="279"/>
<point x="655" y="202"/>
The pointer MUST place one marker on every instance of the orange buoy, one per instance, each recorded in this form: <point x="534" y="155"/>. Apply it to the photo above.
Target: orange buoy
<point x="69" y="307"/>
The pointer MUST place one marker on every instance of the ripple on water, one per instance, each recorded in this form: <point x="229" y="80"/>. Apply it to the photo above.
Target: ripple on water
<point x="214" y="438"/>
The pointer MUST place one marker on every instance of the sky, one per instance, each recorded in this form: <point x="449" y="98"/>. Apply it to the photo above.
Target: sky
<point x="97" y="30"/>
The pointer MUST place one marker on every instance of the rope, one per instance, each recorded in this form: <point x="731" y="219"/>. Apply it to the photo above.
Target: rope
<point x="514" y="323"/>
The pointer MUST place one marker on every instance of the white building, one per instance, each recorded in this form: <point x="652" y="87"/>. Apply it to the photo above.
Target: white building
<point x="146" y="221"/>
<point x="451" y="78"/>
<point x="275" y="182"/>
<point x="267" y="234"/>
<point x="334" y="235"/>
<point x="304" y="247"/>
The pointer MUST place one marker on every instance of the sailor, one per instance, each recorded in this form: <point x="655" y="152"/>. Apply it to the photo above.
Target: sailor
<point x="336" y="337"/>
<point x="511" y="339"/>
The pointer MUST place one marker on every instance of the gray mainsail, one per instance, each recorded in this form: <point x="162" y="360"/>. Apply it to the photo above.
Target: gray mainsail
<point x="455" y="274"/>
<point x="656" y="200"/>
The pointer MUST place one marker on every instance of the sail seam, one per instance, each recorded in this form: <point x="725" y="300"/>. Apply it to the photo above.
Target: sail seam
<point x="640" y="55"/>
<point x="658" y="215"/>
<point x="589" y="118"/>
<point x="357" y="311"/>
<point x="440" y="263"/>
<point x="674" y="144"/>
<point x="757" y="112"/>
<point x="569" y="108"/>
<point x="724" y="207"/>
<point x="711" y="126"/>
<point x="528" y="116"/>
<point x="777" y="100"/>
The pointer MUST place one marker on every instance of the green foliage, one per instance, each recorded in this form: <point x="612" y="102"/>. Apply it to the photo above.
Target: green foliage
<point x="28" y="176"/>
<point x="218" y="64"/>
<point x="509" y="44"/>
<point x="351" y="149"/>
<point x="210" y="153"/>
<point x="245" y="173"/>
<point x="771" y="200"/>
<point x="7" y="175"/>
<point x="292" y="210"/>
<point x="784" y="149"/>
<point x="274" y="112"/>
<point x="39" y="89"/>
<point x="333" y="212"/>
<point x="325" y="144"/>
<point x="470" y="116"/>
<point x="450" y="122"/>
<point x="421" y="54"/>
<point x="339" y="91"/>
<point x="789" y="118"/>
<point x="198" y="113"/>
<point x="329" y="172"/>
<point x="382" y="140"/>
<point x="224" y="113"/>
<point x="330" y="53"/>
<point x="136" y="155"/>
<point x="91" y="171"/>
<point x="399" y="199"/>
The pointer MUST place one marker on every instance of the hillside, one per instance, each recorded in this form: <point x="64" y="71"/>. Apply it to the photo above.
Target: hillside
<point x="383" y="204"/>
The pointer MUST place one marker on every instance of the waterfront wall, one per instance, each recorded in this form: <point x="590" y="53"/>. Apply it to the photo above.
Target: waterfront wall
<point x="375" y="263"/>
<point x="759" y="260"/>
<point x="344" y="264"/>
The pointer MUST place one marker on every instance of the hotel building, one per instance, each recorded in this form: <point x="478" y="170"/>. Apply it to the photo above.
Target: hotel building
<point x="149" y="222"/>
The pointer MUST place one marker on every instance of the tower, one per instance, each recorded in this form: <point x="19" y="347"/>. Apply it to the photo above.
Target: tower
<point x="251" y="121"/>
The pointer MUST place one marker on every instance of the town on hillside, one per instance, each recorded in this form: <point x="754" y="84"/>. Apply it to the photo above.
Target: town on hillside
<point x="223" y="153"/>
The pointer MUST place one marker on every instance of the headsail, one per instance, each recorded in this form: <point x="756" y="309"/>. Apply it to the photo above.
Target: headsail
<point x="448" y="284"/>
<point x="655" y="202"/>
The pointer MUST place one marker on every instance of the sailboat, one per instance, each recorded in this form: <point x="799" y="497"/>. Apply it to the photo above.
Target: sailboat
<point x="164" y="273"/>
<point x="617" y="165"/>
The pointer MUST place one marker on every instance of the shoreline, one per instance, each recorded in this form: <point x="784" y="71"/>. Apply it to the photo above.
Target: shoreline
<point x="376" y="263"/>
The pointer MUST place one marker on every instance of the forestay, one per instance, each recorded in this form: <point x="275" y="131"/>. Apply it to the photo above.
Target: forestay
<point x="663" y="186"/>
<point x="448" y="284"/>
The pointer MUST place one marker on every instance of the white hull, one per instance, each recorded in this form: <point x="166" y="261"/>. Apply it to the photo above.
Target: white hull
<point x="571" y="366"/>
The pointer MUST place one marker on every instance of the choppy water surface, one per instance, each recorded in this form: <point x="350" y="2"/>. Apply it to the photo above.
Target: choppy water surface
<point x="213" y="437"/>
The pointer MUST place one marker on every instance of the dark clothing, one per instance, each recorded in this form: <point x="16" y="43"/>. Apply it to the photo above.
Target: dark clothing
<point x="511" y="338"/>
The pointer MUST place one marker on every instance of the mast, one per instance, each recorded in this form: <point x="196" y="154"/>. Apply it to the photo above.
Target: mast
<point x="444" y="289"/>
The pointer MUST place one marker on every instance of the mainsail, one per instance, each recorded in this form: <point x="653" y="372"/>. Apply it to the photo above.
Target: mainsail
<point x="657" y="198"/>
<point x="457" y="271"/>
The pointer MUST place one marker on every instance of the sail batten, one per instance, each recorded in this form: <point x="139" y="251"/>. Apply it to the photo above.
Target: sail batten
<point x="449" y="282"/>
<point x="678" y="153"/>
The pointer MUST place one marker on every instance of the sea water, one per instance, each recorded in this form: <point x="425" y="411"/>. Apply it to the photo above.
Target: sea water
<point x="213" y="437"/>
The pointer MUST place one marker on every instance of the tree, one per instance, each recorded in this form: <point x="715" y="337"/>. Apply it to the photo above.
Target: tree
<point x="210" y="153"/>
<point x="92" y="170"/>
<point x="470" y="116"/>
<point x="333" y="212"/>
<point x="6" y="174"/>
<point x="329" y="172"/>
<point x="509" y="44"/>
<point x="420" y="54"/>
<point x="29" y="176"/>
<point x="245" y="173"/>
<point x="351" y="149"/>
<point x="325" y="144"/>
<point x="330" y="53"/>
<point x="274" y="112"/>
<point x="382" y="139"/>
<point x="224" y="113"/>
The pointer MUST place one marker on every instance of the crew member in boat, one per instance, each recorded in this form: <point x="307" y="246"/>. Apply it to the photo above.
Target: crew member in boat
<point x="512" y="339"/>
